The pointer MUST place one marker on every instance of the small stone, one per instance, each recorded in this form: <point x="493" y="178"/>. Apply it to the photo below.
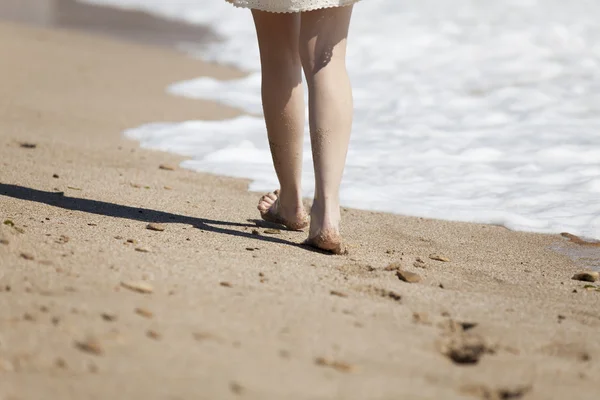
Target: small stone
<point x="167" y="187"/>
<point x="27" y="145"/>
<point x="226" y="284"/>
<point x="27" y="256"/>
<point x="142" y="249"/>
<point x="255" y="232"/>
<point x="55" y="176"/>
<point x="155" y="227"/>
<point x="337" y="365"/>
<point x="9" y="222"/>
<point x="90" y="345"/>
<point x="409" y="277"/>
<point x="166" y="167"/>
<point x="336" y="293"/>
<point x="395" y="266"/>
<point x="132" y="241"/>
<point x="152" y="334"/>
<point x="437" y="257"/>
<point x="144" y="312"/>
<point x="250" y="248"/>
<point x="272" y="231"/>
<point x="587" y="276"/>
<point x="108" y="317"/>
<point x="140" y="287"/>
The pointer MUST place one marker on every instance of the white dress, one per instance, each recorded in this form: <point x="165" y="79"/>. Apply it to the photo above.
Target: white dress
<point x="290" y="6"/>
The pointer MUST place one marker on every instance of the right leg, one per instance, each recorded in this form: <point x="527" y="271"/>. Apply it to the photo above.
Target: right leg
<point x="283" y="106"/>
<point x="323" y="35"/>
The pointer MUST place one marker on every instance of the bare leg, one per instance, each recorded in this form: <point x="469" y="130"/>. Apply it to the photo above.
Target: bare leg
<point x="323" y="36"/>
<point x="283" y="106"/>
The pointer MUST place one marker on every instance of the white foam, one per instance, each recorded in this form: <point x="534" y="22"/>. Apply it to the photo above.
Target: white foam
<point x="476" y="111"/>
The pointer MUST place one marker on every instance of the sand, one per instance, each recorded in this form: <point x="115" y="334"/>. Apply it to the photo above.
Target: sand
<point x="212" y="304"/>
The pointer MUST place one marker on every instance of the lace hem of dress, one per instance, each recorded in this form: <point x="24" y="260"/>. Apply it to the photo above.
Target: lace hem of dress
<point x="286" y="6"/>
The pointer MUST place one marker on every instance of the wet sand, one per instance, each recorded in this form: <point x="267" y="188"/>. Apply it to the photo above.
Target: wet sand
<point x="122" y="24"/>
<point x="212" y="304"/>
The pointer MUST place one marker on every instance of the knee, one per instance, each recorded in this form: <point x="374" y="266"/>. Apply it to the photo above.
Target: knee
<point x="280" y="53"/>
<point x="321" y="62"/>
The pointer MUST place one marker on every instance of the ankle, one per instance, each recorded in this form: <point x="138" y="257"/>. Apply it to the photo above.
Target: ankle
<point x="326" y="214"/>
<point x="291" y="199"/>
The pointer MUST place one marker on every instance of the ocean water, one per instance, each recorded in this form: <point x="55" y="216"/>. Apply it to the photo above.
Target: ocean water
<point x="472" y="110"/>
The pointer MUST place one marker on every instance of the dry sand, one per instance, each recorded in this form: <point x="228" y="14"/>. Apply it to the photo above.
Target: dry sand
<point x="216" y="307"/>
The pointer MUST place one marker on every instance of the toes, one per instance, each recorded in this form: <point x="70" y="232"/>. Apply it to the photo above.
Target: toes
<point x="265" y="202"/>
<point x="272" y="196"/>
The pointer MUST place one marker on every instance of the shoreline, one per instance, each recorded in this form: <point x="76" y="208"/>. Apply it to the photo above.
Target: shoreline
<point x="207" y="308"/>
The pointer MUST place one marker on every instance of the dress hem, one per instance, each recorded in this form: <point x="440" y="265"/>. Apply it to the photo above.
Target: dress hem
<point x="285" y="11"/>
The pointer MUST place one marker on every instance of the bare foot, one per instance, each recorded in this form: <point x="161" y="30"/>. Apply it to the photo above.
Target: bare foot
<point x="272" y="211"/>
<point x="324" y="231"/>
<point x="329" y="240"/>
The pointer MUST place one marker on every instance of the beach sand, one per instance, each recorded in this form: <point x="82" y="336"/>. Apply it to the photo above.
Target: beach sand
<point x="94" y="305"/>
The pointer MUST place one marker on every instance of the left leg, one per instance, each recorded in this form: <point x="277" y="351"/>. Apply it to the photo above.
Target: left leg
<point x="283" y="107"/>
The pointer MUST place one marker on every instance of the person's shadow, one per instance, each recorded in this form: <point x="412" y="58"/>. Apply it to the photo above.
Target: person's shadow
<point x="58" y="199"/>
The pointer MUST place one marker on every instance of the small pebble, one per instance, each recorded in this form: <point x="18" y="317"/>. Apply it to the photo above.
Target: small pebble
<point x="144" y="312"/>
<point x="272" y="231"/>
<point x="587" y="276"/>
<point x="140" y="287"/>
<point x="336" y="293"/>
<point x="255" y="232"/>
<point x="55" y="176"/>
<point x="27" y="145"/>
<point x="142" y="249"/>
<point x="27" y="256"/>
<point x="166" y="167"/>
<point x="226" y="284"/>
<point x="155" y="227"/>
<point x="90" y="345"/>
<point x="439" y="258"/>
<point x="395" y="266"/>
<point x="109" y="317"/>
<point x="337" y="365"/>
<point x="407" y="276"/>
